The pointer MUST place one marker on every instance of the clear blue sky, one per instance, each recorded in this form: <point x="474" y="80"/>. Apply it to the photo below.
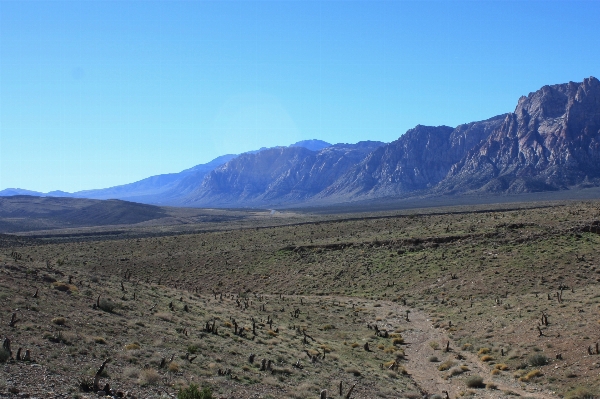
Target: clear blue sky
<point x="95" y="94"/>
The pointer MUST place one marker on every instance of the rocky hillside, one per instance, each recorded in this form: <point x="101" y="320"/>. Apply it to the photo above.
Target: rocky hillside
<point x="550" y="142"/>
<point x="278" y="175"/>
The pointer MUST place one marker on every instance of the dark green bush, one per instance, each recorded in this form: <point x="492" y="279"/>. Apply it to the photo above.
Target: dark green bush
<point x="538" y="360"/>
<point x="192" y="392"/>
<point x="4" y="355"/>
<point x="474" y="381"/>
<point x="107" y="305"/>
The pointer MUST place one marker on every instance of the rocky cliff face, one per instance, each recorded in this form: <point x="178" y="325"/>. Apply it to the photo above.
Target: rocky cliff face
<point x="278" y="175"/>
<point x="550" y="142"/>
<point x="417" y="161"/>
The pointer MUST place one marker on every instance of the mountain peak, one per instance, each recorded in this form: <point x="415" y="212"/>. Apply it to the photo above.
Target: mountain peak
<point x="313" y="145"/>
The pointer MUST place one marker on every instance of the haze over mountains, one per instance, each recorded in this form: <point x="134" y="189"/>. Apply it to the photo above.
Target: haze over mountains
<point x="550" y="142"/>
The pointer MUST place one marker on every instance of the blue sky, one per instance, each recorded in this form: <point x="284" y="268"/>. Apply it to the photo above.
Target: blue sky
<point x="96" y="94"/>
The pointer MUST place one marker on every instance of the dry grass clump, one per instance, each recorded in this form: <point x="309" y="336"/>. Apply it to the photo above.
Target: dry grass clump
<point x="434" y="345"/>
<point x="99" y="340"/>
<point x="446" y="365"/>
<point x="355" y="344"/>
<point x="486" y="358"/>
<point x="501" y="366"/>
<point x="456" y="371"/>
<point x="64" y="287"/>
<point x="531" y="375"/>
<point x="483" y="351"/>
<point x="467" y="347"/>
<point x="173" y="367"/>
<point x="149" y="377"/>
<point x="131" y="372"/>
<point x="398" y="341"/>
<point x="59" y="321"/>
<point x="305" y="390"/>
<point x="353" y="370"/>
<point x="132" y="346"/>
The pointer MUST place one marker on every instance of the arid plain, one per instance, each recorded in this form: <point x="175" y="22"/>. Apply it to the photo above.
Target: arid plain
<point x="490" y="301"/>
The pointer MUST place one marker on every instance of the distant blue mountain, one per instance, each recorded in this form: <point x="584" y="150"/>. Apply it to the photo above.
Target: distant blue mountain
<point x="160" y="189"/>
<point x="9" y="192"/>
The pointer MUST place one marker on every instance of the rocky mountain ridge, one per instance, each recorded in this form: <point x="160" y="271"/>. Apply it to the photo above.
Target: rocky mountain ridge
<point x="550" y="142"/>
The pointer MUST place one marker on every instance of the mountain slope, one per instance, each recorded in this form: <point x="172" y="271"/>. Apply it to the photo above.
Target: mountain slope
<point x="277" y="175"/>
<point x="550" y="142"/>
<point x="26" y="213"/>
<point x="417" y="161"/>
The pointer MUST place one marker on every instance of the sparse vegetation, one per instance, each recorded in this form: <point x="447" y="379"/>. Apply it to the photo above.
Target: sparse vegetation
<point x="310" y="307"/>
<point x="192" y="392"/>
<point x="474" y="381"/>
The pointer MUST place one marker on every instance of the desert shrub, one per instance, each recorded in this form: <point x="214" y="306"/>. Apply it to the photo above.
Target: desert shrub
<point x="59" y="321"/>
<point x="107" y="305"/>
<point x="4" y="355"/>
<point x="59" y="338"/>
<point x="328" y="327"/>
<point x="455" y="371"/>
<point x="398" y="341"/>
<point x="474" y="381"/>
<point x="133" y="346"/>
<point x="173" y="367"/>
<point x="434" y="345"/>
<point x="434" y="359"/>
<point x="149" y="377"/>
<point x="538" y="360"/>
<point x="131" y="372"/>
<point x="192" y="349"/>
<point x="580" y="393"/>
<point x="192" y="392"/>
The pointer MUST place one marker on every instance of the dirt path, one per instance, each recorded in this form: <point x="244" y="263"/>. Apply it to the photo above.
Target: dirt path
<point x="420" y="332"/>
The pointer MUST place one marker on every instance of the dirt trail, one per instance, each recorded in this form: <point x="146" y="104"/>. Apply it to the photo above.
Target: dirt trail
<point x="420" y="332"/>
